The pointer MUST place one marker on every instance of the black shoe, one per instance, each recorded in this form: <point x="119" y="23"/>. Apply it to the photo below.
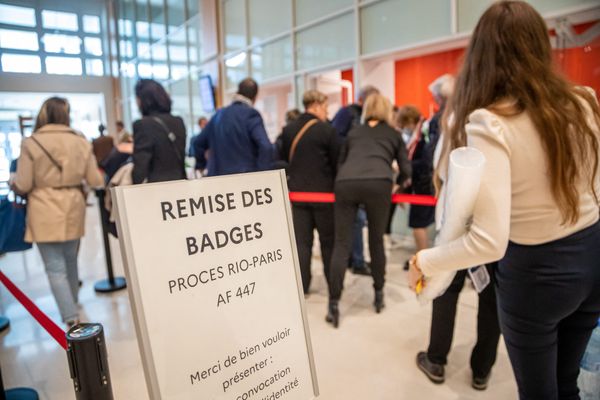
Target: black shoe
<point x="364" y="269"/>
<point x="378" y="301"/>
<point x="333" y="313"/>
<point x="435" y="372"/>
<point x="480" y="383"/>
<point x="406" y="265"/>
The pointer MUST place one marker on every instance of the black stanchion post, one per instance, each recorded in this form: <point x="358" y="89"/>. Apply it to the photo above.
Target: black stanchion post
<point x="112" y="283"/>
<point x="88" y="362"/>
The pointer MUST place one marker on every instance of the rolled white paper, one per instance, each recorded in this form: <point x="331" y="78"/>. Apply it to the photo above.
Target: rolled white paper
<point x="458" y="197"/>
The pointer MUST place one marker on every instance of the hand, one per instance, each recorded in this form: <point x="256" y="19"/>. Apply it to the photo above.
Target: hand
<point x="414" y="274"/>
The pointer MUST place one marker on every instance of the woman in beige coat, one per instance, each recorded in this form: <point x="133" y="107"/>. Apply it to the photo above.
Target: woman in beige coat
<point x="54" y="163"/>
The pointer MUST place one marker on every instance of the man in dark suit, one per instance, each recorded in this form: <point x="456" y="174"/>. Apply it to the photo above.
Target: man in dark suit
<point x="235" y="137"/>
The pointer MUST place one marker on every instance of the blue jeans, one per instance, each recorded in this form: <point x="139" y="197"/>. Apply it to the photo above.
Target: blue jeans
<point x="358" y="251"/>
<point x="60" y="260"/>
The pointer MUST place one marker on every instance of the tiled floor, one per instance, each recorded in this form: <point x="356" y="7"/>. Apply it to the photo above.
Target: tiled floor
<point x="371" y="356"/>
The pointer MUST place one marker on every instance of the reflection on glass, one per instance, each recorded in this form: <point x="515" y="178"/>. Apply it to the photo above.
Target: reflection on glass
<point x="59" y="20"/>
<point x="21" y="40"/>
<point x="59" y="43"/>
<point x="262" y="23"/>
<point x="309" y="10"/>
<point x="145" y="70"/>
<point x="91" y="23"/>
<point x="94" y="67"/>
<point x="21" y="63"/>
<point x="235" y="24"/>
<point x="329" y="42"/>
<point x="178" y="71"/>
<point x="158" y="31"/>
<point x="142" y="29"/>
<point x="126" y="48"/>
<point x="236" y="69"/>
<point x="93" y="46"/>
<point x="178" y="53"/>
<point x="159" y="52"/>
<point x="14" y="15"/>
<point x="160" y="71"/>
<point x="272" y="60"/>
<point x="143" y="50"/>
<point x="125" y="27"/>
<point x="63" y="66"/>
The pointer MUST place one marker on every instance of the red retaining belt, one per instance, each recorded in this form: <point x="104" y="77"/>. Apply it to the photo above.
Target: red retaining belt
<point x="54" y="330"/>
<point x="318" y="197"/>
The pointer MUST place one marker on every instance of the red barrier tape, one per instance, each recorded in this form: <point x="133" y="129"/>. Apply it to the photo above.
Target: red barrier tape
<point x="318" y="197"/>
<point x="54" y="330"/>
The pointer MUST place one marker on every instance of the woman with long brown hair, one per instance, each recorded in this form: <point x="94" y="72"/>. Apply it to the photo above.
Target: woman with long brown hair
<point x="537" y="210"/>
<point x="54" y="163"/>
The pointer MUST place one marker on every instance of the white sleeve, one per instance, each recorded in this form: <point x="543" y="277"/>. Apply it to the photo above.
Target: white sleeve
<point x="487" y="238"/>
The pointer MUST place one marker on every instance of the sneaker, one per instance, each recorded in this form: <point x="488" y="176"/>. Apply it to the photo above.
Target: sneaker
<point x="480" y="383"/>
<point x="435" y="372"/>
<point x="364" y="269"/>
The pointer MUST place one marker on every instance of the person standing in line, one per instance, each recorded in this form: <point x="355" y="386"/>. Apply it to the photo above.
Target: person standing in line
<point x="202" y="122"/>
<point x="443" y="315"/>
<point x="102" y="145"/>
<point x="159" y="137"/>
<point x="123" y="135"/>
<point x="54" y="164"/>
<point x="537" y="208"/>
<point x="365" y="176"/>
<point x="236" y="137"/>
<point x="344" y="121"/>
<point x="310" y="146"/>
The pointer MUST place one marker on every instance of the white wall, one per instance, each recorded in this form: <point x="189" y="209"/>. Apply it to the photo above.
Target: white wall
<point x="381" y="75"/>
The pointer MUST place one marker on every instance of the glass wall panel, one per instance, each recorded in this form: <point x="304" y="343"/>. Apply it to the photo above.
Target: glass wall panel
<point x="273" y="59"/>
<point x="236" y="69"/>
<point x="234" y="22"/>
<point x="326" y="43"/>
<point x="21" y="63"/>
<point x="94" y="67"/>
<point x="309" y="10"/>
<point x="21" y="40"/>
<point x="59" y="20"/>
<point x="180" y="95"/>
<point x="268" y="18"/>
<point x="58" y="43"/>
<point x="64" y="66"/>
<point x="387" y="25"/>
<point x="158" y="29"/>
<point x="469" y="11"/>
<point x="176" y="13"/>
<point x="14" y="15"/>
<point x="93" y="46"/>
<point x="91" y="23"/>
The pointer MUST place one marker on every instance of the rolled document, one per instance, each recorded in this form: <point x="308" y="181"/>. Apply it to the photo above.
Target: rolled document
<point x="458" y="197"/>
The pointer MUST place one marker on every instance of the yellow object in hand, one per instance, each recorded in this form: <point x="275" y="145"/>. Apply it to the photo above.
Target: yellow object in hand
<point x="419" y="286"/>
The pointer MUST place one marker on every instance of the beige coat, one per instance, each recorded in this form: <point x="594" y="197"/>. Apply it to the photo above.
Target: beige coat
<point x="55" y="202"/>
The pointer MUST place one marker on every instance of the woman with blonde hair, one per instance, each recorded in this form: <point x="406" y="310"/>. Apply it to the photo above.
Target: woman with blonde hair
<point x="54" y="163"/>
<point x="537" y="210"/>
<point x="365" y="176"/>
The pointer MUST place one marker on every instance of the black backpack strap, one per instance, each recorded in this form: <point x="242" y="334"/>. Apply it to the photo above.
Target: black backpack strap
<point x="170" y="135"/>
<point x="56" y="164"/>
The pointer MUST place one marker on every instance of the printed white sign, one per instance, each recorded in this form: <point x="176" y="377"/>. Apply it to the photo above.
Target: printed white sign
<point x="215" y="288"/>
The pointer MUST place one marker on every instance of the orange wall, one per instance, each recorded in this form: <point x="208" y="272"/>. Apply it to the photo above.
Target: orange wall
<point x="347" y="75"/>
<point x="581" y="65"/>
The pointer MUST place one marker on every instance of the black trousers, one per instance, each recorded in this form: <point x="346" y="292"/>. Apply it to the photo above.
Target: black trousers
<point x="307" y="218"/>
<point x="548" y="304"/>
<point x="375" y="195"/>
<point x="484" y="353"/>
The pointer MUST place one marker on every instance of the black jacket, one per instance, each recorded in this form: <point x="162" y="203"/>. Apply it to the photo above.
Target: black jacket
<point x="155" y="157"/>
<point x="313" y="167"/>
<point x="368" y="153"/>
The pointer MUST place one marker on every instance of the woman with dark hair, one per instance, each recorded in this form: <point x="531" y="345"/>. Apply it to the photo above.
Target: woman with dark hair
<point x="54" y="163"/>
<point x="365" y="176"/>
<point x="537" y="209"/>
<point x="159" y="137"/>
